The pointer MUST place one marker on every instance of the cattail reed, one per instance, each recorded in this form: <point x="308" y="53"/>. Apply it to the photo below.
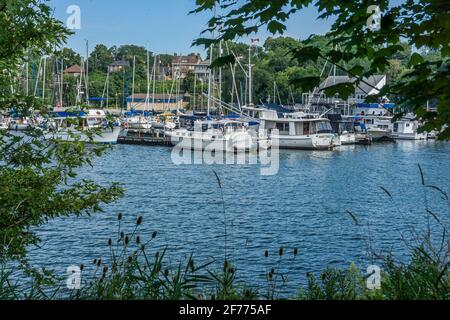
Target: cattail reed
<point x="154" y="234"/>
<point x="266" y="253"/>
<point x="281" y="252"/>
<point x="139" y="221"/>
<point x="119" y="216"/>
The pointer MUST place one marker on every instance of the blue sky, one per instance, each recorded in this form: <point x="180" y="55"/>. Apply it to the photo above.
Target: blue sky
<point x="163" y="25"/>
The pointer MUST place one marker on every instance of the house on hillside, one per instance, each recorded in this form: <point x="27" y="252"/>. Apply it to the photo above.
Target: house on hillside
<point x="118" y="66"/>
<point x="74" y="71"/>
<point x="202" y="70"/>
<point x="183" y="65"/>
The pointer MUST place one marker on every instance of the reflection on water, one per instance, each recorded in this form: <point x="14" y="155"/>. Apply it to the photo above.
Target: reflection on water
<point x="304" y="206"/>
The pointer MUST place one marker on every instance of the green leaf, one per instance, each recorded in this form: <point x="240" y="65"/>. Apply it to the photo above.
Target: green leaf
<point x="415" y="59"/>
<point x="344" y="90"/>
<point x="223" y="61"/>
<point x="306" y="83"/>
<point x="305" y="54"/>
<point x="276" y="27"/>
<point x="356" y="70"/>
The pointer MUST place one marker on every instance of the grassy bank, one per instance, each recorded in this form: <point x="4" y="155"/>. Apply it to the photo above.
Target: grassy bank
<point x="132" y="271"/>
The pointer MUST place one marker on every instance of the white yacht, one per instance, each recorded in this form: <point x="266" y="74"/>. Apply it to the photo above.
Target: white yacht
<point x="222" y="135"/>
<point x="407" y="129"/>
<point x="298" y="130"/>
<point x="63" y="127"/>
<point x="379" y="128"/>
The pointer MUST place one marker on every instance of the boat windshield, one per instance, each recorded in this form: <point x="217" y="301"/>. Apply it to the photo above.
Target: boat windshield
<point x="323" y="127"/>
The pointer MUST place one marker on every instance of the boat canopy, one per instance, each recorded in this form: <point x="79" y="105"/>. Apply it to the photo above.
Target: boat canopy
<point x="66" y="114"/>
<point x="376" y="105"/>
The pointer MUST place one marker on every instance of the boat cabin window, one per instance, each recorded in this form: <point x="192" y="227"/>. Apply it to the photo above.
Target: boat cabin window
<point x="306" y="128"/>
<point x="283" y="127"/>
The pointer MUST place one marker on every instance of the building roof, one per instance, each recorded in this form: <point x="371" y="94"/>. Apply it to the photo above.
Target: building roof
<point x="73" y="69"/>
<point x="362" y="88"/>
<point x="187" y="60"/>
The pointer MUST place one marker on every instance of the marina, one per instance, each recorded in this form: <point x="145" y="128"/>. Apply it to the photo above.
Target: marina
<point x="257" y="151"/>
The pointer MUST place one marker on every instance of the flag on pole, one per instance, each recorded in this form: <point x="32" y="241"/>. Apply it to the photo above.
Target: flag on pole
<point x="255" y="40"/>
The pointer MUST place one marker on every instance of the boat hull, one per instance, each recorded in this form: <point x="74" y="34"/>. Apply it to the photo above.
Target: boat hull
<point x="316" y="142"/>
<point x="410" y="136"/>
<point x="347" y="139"/>
<point x="236" y="142"/>
<point x="107" y="136"/>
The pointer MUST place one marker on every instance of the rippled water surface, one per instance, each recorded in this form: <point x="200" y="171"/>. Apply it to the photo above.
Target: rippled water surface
<point x="305" y="206"/>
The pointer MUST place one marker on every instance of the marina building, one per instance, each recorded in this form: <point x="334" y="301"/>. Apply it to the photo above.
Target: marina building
<point x="158" y="103"/>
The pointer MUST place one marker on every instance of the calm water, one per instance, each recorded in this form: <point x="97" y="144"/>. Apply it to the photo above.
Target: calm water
<point x="304" y="206"/>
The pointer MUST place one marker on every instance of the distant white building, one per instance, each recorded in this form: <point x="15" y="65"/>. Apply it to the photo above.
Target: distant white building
<point x="368" y="87"/>
<point x="355" y="104"/>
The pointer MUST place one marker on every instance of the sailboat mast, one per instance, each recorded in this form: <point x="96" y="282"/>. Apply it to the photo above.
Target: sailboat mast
<point x="154" y="82"/>
<point x="27" y="75"/>
<point x="134" y="75"/>
<point x="61" y="94"/>
<point x="210" y="79"/>
<point x="147" y="97"/>
<point x="220" y="77"/>
<point x="87" y="72"/>
<point x="107" y="89"/>
<point x="250" y="81"/>
<point x="43" y="79"/>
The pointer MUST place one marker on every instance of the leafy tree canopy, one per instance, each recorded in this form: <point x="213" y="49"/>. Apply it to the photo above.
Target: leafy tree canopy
<point x="38" y="179"/>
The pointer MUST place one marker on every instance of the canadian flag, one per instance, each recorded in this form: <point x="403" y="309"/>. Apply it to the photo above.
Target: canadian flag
<point x="255" y="40"/>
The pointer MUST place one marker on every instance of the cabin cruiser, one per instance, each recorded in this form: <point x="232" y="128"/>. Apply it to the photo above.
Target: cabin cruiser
<point x="344" y="129"/>
<point x="221" y="135"/>
<point x="69" y="126"/>
<point x="407" y="129"/>
<point x="379" y="128"/>
<point x="20" y="124"/>
<point x="297" y="130"/>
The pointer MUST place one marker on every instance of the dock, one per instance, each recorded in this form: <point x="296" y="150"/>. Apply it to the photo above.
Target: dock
<point x="151" y="137"/>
